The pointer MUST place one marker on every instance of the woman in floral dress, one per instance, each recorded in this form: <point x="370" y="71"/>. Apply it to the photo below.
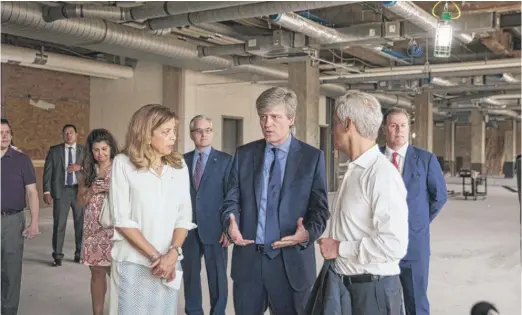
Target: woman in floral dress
<point x="94" y="185"/>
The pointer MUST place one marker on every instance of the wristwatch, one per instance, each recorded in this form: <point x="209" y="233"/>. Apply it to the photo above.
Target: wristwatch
<point x="177" y="248"/>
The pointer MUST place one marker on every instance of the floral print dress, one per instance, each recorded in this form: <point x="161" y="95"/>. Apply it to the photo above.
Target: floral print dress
<point x="97" y="240"/>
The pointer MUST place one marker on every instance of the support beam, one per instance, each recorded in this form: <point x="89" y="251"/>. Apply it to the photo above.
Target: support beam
<point x="449" y="147"/>
<point x="423" y="127"/>
<point x="509" y="149"/>
<point x="478" y="141"/>
<point x="304" y="81"/>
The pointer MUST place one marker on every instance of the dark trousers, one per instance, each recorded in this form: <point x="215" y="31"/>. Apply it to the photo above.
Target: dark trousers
<point x="60" y="213"/>
<point x="216" y="265"/>
<point x="268" y="287"/>
<point x="414" y="280"/>
<point x="12" y="255"/>
<point x="380" y="297"/>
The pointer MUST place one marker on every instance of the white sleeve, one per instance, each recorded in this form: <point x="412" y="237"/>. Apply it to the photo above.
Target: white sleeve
<point x="184" y="218"/>
<point x="119" y="193"/>
<point x="387" y="195"/>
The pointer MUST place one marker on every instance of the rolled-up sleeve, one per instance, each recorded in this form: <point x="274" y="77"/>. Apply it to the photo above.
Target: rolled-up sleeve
<point x="184" y="218"/>
<point x="119" y="194"/>
<point x="387" y="195"/>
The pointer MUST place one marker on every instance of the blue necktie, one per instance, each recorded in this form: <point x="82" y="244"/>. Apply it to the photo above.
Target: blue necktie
<point x="70" y="174"/>
<point x="272" y="231"/>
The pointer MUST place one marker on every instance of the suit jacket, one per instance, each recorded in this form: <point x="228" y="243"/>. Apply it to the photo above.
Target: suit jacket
<point x="303" y="194"/>
<point x="427" y="193"/>
<point x="329" y="295"/>
<point x="208" y="198"/>
<point x="54" y="169"/>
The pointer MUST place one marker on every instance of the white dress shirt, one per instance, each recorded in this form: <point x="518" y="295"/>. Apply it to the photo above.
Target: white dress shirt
<point x="370" y="217"/>
<point x="401" y="157"/>
<point x="73" y="146"/>
<point x="156" y="205"/>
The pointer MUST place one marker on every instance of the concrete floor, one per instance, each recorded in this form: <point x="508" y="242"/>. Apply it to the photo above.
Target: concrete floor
<point x="475" y="256"/>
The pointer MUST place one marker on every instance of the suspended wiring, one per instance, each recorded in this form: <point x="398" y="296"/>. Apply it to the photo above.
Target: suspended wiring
<point x="446" y="9"/>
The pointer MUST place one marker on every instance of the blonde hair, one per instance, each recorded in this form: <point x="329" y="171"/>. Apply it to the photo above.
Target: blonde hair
<point x="139" y="134"/>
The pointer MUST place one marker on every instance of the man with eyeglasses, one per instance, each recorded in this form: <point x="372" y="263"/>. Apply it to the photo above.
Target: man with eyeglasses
<point x="209" y="169"/>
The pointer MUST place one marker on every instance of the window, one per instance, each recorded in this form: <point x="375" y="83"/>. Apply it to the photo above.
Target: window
<point x="232" y="134"/>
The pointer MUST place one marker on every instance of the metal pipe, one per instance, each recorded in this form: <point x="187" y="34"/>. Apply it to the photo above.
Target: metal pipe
<point x="63" y="63"/>
<point x="147" y="11"/>
<point x="240" y="12"/>
<point x="410" y="72"/>
<point x="505" y="96"/>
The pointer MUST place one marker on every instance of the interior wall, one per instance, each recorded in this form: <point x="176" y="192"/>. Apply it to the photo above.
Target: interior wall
<point x="38" y="103"/>
<point x="113" y="102"/>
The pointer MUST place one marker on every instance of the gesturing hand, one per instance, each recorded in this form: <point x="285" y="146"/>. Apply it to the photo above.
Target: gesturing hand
<point x="329" y="248"/>
<point x="300" y="236"/>
<point x="235" y="235"/>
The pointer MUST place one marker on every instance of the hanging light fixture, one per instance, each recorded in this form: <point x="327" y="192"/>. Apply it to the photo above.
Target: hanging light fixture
<point x="444" y="34"/>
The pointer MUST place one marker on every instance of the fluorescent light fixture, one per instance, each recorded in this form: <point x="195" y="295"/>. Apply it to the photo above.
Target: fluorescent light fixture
<point x="443" y="40"/>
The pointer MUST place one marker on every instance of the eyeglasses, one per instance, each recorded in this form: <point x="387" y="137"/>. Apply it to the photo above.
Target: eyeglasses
<point x="202" y="131"/>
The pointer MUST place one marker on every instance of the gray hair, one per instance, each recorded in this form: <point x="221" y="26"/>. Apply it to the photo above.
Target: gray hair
<point x="363" y="109"/>
<point x="277" y="96"/>
<point x="199" y="117"/>
<point x="394" y="111"/>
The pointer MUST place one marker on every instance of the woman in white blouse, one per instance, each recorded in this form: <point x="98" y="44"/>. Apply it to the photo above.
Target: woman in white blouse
<point x="152" y="213"/>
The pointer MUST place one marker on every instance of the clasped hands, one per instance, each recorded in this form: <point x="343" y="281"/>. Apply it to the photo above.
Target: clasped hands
<point x="300" y="236"/>
<point x="164" y="266"/>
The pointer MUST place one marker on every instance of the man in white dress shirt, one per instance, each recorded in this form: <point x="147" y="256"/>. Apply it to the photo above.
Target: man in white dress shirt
<point x="367" y="234"/>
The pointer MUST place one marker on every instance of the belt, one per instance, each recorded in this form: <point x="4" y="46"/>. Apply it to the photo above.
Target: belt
<point x="348" y="280"/>
<point x="10" y="212"/>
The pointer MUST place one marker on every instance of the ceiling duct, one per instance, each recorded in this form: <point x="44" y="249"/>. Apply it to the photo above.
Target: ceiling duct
<point x="62" y="63"/>
<point x="324" y="34"/>
<point x="110" y="38"/>
<point x="147" y="11"/>
<point x="239" y="12"/>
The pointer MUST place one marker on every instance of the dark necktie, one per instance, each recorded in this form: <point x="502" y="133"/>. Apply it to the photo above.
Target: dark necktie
<point x="70" y="174"/>
<point x="198" y="172"/>
<point x="272" y="231"/>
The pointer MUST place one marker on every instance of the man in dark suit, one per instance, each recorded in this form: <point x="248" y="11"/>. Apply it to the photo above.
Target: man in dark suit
<point x="60" y="185"/>
<point x="209" y="169"/>
<point x="426" y="196"/>
<point x="275" y="209"/>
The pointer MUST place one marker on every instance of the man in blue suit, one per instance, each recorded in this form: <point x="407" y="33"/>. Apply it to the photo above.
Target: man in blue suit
<point x="426" y="196"/>
<point x="209" y="170"/>
<point x="275" y="209"/>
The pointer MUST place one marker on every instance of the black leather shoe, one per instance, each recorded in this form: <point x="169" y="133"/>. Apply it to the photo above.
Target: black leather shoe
<point x="57" y="263"/>
<point x="77" y="259"/>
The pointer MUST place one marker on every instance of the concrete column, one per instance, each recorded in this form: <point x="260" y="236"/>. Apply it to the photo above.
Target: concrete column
<point x="304" y="81"/>
<point x="509" y="149"/>
<point x="179" y="94"/>
<point x="172" y="90"/>
<point x="449" y="147"/>
<point x="478" y="141"/>
<point x="423" y="126"/>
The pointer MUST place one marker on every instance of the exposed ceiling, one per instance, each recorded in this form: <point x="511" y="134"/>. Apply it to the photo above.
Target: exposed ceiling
<point x="385" y="48"/>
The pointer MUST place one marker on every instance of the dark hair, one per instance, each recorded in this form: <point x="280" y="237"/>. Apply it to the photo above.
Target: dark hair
<point x="6" y="122"/>
<point x="89" y="163"/>
<point x="69" y="126"/>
